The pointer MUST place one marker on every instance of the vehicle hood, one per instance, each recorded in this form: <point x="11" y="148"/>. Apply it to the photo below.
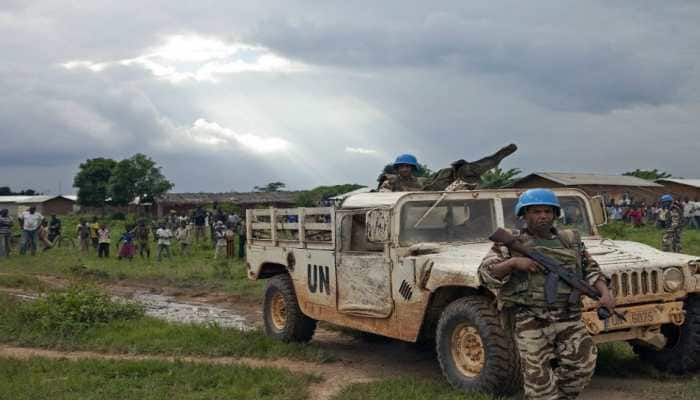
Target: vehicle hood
<point x="614" y="255"/>
<point x="451" y="265"/>
<point x="458" y="264"/>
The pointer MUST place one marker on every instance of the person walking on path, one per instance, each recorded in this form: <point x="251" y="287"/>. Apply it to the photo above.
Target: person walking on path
<point x="103" y="241"/>
<point x="31" y="221"/>
<point x="5" y="232"/>
<point x="164" y="235"/>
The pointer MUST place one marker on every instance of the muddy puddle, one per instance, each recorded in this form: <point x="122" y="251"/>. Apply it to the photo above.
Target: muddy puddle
<point x="170" y="309"/>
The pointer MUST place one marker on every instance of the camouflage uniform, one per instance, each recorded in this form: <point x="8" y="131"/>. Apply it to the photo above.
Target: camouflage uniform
<point x="671" y="240"/>
<point x="397" y="183"/>
<point x="461" y="175"/>
<point x="547" y="333"/>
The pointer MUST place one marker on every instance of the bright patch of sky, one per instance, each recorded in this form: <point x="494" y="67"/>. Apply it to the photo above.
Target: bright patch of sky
<point x="211" y="133"/>
<point x="360" y="150"/>
<point x="198" y="58"/>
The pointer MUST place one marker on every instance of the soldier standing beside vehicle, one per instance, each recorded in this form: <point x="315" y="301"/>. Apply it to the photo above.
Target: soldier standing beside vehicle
<point x="673" y="225"/>
<point x="546" y="333"/>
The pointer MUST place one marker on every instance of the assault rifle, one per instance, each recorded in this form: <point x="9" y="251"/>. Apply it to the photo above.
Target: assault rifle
<point x="555" y="272"/>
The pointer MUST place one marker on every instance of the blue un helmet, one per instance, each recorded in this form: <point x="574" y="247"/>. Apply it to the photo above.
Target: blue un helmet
<point x="537" y="197"/>
<point x="408" y="159"/>
<point x="667" y="198"/>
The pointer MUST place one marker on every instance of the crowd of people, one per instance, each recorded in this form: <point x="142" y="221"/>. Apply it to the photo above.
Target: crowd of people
<point x="35" y="230"/>
<point x="176" y="234"/>
<point x="640" y="213"/>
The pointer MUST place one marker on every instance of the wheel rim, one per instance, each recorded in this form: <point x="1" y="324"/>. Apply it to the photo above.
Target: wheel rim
<point x="467" y="350"/>
<point x="278" y="311"/>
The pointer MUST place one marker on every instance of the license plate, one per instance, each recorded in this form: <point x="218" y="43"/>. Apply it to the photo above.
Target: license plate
<point x="634" y="318"/>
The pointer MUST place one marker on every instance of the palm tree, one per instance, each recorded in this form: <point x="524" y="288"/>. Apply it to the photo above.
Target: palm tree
<point x="497" y="178"/>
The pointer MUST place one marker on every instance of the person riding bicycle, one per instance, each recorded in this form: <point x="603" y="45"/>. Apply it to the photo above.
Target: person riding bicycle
<point x="54" y="228"/>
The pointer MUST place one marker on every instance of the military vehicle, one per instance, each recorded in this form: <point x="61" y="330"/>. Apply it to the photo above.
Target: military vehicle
<point x="404" y="265"/>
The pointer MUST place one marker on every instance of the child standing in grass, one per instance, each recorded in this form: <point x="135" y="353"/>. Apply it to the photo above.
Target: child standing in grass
<point x="164" y="234"/>
<point x="220" y="237"/>
<point x="127" y="240"/>
<point x="84" y="236"/>
<point x="184" y="237"/>
<point x="103" y="241"/>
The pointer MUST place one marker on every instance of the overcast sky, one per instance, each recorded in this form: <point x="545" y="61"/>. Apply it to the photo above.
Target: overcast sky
<point x="226" y="95"/>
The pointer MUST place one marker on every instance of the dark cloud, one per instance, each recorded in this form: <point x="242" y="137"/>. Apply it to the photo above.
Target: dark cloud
<point x="594" y="86"/>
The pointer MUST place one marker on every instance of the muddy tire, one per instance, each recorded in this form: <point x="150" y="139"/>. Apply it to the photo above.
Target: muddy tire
<point x="283" y="318"/>
<point x="475" y="352"/>
<point x="682" y="352"/>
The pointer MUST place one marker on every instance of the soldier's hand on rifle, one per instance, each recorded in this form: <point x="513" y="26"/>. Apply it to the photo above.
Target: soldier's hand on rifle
<point x="606" y="299"/>
<point x="524" y="264"/>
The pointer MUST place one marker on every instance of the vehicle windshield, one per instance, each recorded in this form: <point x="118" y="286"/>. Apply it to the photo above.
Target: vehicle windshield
<point x="573" y="215"/>
<point x="448" y="221"/>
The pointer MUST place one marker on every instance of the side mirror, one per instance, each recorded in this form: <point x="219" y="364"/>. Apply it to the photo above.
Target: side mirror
<point x="378" y="224"/>
<point x="600" y="216"/>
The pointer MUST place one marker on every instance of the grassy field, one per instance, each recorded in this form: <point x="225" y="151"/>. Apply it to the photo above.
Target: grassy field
<point x="38" y="379"/>
<point x="80" y="322"/>
<point x="651" y="236"/>
<point x="197" y="271"/>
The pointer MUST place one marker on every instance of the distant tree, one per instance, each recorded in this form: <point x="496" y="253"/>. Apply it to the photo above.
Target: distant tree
<point x="648" y="174"/>
<point x="497" y="178"/>
<point x="92" y="181"/>
<point x="137" y="176"/>
<point x="270" y="187"/>
<point x="311" y="198"/>
<point x="7" y="191"/>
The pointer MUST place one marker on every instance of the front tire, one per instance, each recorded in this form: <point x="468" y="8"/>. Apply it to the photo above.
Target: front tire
<point x="682" y="352"/>
<point x="283" y="318"/>
<point x="475" y="352"/>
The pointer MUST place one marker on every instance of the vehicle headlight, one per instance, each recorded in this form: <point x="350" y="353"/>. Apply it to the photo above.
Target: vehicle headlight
<point x="694" y="266"/>
<point x="673" y="279"/>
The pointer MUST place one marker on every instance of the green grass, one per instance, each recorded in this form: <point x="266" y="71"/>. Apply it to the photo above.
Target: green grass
<point x="147" y="335"/>
<point x="618" y="360"/>
<point x="196" y="271"/>
<point x="405" y="389"/>
<point x="22" y="281"/>
<point x="650" y="235"/>
<point x="39" y="378"/>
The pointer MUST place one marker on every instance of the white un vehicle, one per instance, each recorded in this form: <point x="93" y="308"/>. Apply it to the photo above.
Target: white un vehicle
<point x="404" y="265"/>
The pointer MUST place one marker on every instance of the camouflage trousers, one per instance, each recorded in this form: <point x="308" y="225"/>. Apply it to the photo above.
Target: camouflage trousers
<point x="671" y="241"/>
<point x="557" y="358"/>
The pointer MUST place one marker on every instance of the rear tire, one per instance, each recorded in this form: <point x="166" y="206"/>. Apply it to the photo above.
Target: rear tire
<point x="682" y="352"/>
<point x="475" y="352"/>
<point x="283" y="318"/>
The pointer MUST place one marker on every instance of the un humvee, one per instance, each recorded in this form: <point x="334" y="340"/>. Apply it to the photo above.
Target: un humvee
<point x="404" y="266"/>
